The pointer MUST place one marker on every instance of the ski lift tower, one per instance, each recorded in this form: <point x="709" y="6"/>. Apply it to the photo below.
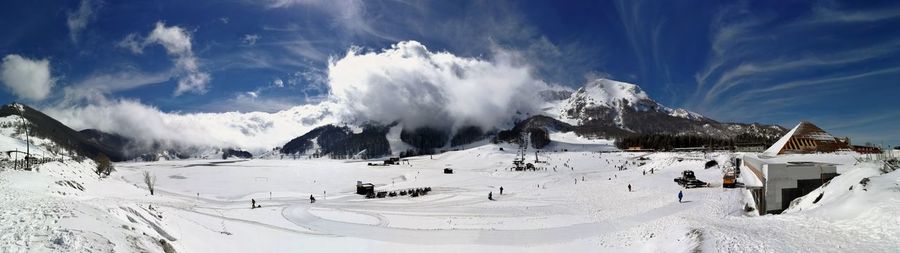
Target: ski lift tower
<point x="27" y="163"/>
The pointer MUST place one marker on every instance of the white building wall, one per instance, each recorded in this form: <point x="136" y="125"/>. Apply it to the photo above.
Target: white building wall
<point x="782" y="176"/>
<point x="748" y="176"/>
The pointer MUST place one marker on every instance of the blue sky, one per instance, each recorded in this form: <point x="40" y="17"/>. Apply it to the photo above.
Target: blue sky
<point x="836" y="63"/>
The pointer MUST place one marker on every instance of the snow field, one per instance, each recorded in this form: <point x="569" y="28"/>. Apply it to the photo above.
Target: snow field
<point x="579" y="203"/>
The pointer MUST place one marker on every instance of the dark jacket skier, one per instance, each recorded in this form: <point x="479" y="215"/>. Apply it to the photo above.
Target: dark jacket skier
<point x="252" y="203"/>
<point x="680" y="195"/>
<point x="312" y="199"/>
<point x="490" y="195"/>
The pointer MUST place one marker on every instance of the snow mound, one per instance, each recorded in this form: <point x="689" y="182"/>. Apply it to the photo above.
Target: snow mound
<point x="864" y="196"/>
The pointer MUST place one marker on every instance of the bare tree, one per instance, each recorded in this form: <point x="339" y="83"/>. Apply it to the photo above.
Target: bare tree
<point x="104" y="166"/>
<point x="150" y="180"/>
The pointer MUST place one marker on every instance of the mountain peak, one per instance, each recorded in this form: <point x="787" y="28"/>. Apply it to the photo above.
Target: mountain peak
<point x="610" y="93"/>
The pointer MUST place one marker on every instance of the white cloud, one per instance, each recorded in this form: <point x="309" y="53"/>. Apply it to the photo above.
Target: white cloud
<point x="278" y="83"/>
<point x="256" y="131"/>
<point x="27" y="78"/>
<point x="437" y="89"/>
<point x="177" y="43"/>
<point x="176" y="40"/>
<point x="406" y="82"/>
<point x="250" y="39"/>
<point x="79" y="19"/>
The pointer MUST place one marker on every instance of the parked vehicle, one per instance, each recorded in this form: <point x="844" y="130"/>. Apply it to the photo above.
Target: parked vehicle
<point x="729" y="180"/>
<point x="688" y="180"/>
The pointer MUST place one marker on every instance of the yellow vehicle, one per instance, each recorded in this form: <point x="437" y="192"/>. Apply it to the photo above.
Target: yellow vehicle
<point x="729" y="180"/>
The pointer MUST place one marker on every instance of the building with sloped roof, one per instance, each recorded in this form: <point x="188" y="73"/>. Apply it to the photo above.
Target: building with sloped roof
<point x="807" y="138"/>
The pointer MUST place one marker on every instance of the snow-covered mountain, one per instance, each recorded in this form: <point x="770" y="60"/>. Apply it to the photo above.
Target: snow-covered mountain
<point x="44" y="137"/>
<point x="615" y="98"/>
<point x="609" y="108"/>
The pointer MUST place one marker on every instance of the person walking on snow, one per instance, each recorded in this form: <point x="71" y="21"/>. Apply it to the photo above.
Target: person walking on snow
<point x="312" y="199"/>
<point x="501" y="190"/>
<point x="629" y="187"/>
<point x="252" y="203"/>
<point x="490" y="195"/>
<point x="680" y="195"/>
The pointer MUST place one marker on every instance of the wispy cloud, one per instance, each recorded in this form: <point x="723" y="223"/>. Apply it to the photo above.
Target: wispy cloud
<point x="756" y="58"/>
<point x="350" y="15"/>
<point x="250" y="39"/>
<point x="98" y="86"/>
<point x="744" y="72"/>
<point x="730" y="27"/>
<point x="178" y="44"/>
<point x="78" y="19"/>
<point x="832" y="14"/>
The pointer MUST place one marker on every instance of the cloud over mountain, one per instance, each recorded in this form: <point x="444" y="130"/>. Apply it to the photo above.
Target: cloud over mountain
<point x="257" y="131"/>
<point x="406" y="83"/>
<point x="418" y="87"/>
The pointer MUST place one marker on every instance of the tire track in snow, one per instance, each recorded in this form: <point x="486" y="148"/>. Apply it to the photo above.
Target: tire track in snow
<point x="300" y="215"/>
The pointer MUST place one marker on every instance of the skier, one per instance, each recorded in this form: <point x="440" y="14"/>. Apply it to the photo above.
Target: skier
<point x="312" y="199"/>
<point x="680" y="195"/>
<point x="490" y="195"/>
<point x="501" y="190"/>
<point x="252" y="203"/>
<point x="629" y="187"/>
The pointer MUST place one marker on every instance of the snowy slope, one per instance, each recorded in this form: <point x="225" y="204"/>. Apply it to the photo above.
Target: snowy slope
<point x="13" y="141"/>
